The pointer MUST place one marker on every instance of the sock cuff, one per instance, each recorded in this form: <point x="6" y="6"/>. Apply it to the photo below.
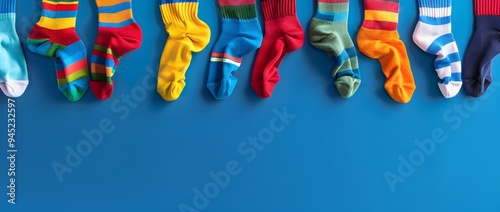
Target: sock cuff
<point x="487" y="7"/>
<point x="332" y="1"/>
<point x="7" y="6"/>
<point x="434" y="3"/>
<point x="435" y="8"/>
<point x="273" y="9"/>
<point x="179" y="12"/>
<point x="236" y="2"/>
<point x="244" y="9"/>
<point x="382" y="5"/>
<point x="177" y="1"/>
<point x="103" y="3"/>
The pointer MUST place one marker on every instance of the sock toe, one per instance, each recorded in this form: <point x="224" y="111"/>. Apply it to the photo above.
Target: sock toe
<point x="73" y="93"/>
<point x="474" y="88"/>
<point x="227" y="88"/>
<point x="171" y="91"/>
<point x="400" y="93"/>
<point x="451" y="89"/>
<point x="102" y="90"/>
<point x="14" y="88"/>
<point x="347" y="86"/>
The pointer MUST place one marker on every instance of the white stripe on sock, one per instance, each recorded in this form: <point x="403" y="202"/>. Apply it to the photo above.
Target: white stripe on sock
<point x="433" y="32"/>
<point x="225" y="60"/>
<point x="447" y="50"/>
<point x="435" y="12"/>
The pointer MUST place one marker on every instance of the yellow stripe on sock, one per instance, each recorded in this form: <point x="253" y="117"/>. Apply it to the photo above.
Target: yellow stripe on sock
<point x="105" y="3"/>
<point x="377" y="15"/>
<point x="60" y="2"/>
<point x="57" y="23"/>
<point x="116" y="17"/>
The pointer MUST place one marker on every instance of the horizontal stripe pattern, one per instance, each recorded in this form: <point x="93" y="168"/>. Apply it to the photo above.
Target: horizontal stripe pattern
<point x="487" y="7"/>
<point x="381" y="14"/>
<point x="115" y="14"/>
<point x="57" y="15"/>
<point x="334" y="14"/>
<point x="225" y="58"/>
<point x="332" y="10"/>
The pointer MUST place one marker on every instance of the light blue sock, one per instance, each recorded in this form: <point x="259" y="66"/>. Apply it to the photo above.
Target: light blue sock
<point x="13" y="71"/>
<point x="241" y="34"/>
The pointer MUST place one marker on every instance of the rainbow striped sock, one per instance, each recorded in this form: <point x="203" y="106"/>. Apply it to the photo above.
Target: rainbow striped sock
<point x="54" y="36"/>
<point x="118" y="34"/>
<point x="241" y="34"/>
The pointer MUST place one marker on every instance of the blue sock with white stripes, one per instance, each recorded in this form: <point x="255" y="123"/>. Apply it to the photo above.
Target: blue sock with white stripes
<point x="13" y="71"/>
<point x="433" y="35"/>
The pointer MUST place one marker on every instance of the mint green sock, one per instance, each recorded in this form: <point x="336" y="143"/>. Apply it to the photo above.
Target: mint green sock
<point x="328" y="32"/>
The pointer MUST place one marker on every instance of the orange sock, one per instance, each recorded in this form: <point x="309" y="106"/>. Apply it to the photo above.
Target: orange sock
<point x="378" y="38"/>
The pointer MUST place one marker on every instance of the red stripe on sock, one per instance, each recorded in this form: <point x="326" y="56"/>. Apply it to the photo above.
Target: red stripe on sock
<point x="226" y="56"/>
<point x="116" y="60"/>
<point x="487" y="7"/>
<point x="59" y="7"/>
<point x="72" y="69"/>
<point x="383" y="25"/>
<point x="114" y="37"/>
<point x="99" y="53"/>
<point x="381" y="5"/>
<point x="63" y="36"/>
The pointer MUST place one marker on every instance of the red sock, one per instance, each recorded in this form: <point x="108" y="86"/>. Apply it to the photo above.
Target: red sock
<point x="118" y="34"/>
<point x="283" y="34"/>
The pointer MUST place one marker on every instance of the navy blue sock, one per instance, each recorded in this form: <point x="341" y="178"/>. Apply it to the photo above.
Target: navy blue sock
<point x="483" y="47"/>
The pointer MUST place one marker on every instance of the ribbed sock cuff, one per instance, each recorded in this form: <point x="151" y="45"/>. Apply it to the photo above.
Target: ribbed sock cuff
<point x="236" y="2"/>
<point x="278" y="8"/>
<point x="487" y="7"/>
<point x="248" y="11"/>
<point x="435" y="8"/>
<point x="7" y="6"/>
<point x="103" y="3"/>
<point x="434" y="3"/>
<point x="177" y="1"/>
<point x="171" y="13"/>
<point x="382" y="5"/>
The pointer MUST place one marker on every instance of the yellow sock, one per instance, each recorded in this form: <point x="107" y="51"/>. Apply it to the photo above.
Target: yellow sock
<point x="187" y="34"/>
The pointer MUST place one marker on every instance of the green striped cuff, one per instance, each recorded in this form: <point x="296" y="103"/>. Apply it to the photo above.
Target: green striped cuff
<point x="239" y="12"/>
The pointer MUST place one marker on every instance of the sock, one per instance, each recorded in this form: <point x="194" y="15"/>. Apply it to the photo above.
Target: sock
<point x="241" y="34"/>
<point x="283" y="34"/>
<point x="118" y="34"/>
<point x="433" y="35"/>
<point x="13" y="71"/>
<point x="328" y="32"/>
<point x="483" y="47"/>
<point x="187" y="34"/>
<point x="379" y="39"/>
<point x="54" y="36"/>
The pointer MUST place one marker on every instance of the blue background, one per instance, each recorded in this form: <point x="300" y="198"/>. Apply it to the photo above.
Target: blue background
<point x="331" y="157"/>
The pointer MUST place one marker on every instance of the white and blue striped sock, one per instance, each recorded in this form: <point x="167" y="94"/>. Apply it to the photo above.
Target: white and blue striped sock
<point x="433" y="35"/>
